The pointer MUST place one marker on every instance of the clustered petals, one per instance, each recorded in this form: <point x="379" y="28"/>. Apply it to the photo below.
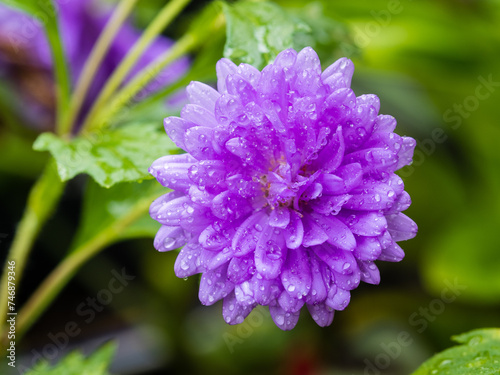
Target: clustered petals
<point x="286" y="195"/>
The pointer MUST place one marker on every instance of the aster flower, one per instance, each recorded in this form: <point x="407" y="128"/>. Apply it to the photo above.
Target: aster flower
<point x="286" y="195"/>
<point x="26" y="58"/>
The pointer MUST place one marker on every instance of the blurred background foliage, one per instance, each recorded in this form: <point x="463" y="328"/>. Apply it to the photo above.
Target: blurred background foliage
<point x="430" y="63"/>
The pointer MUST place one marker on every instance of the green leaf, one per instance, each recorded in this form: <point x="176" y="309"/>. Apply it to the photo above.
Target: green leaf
<point x="76" y="364"/>
<point x="103" y="208"/>
<point x="329" y="37"/>
<point x="257" y="31"/>
<point x="45" y="12"/>
<point x="109" y="156"/>
<point x="479" y="355"/>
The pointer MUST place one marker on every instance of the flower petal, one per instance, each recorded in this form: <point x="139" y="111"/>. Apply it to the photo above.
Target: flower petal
<point x="338" y="233"/>
<point x="169" y="238"/>
<point x="203" y="95"/>
<point x="294" y="233"/>
<point x="369" y="272"/>
<point x="214" y="285"/>
<point x="296" y="274"/>
<point x="270" y="252"/>
<point x="187" y="262"/>
<point x="401" y="227"/>
<point x="233" y="312"/>
<point x="321" y="313"/>
<point x="284" y="320"/>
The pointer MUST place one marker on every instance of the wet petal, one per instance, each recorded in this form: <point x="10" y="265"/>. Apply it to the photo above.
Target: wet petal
<point x="284" y="320"/>
<point x="279" y="217"/>
<point x="294" y="233"/>
<point x="224" y="67"/>
<point x="233" y="312"/>
<point x="369" y="272"/>
<point x="214" y="285"/>
<point x="187" y="262"/>
<point x="296" y="274"/>
<point x="338" y="298"/>
<point x="203" y="95"/>
<point x="246" y="237"/>
<point x="338" y="233"/>
<point x="401" y="227"/>
<point x="321" y="313"/>
<point x="290" y="303"/>
<point x="270" y="252"/>
<point x="169" y="238"/>
<point x="367" y="248"/>
<point x="364" y="224"/>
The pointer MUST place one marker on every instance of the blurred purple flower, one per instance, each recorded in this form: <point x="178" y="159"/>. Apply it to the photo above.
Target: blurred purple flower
<point x="287" y="195"/>
<point x="25" y="54"/>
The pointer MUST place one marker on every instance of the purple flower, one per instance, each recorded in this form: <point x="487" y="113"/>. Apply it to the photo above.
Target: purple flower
<point x="287" y="193"/>
<point x="25" y="53"/>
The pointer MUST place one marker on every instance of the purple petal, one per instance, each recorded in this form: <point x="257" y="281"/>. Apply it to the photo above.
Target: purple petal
<point x="338" y="298"/>
<point x="405" y="155"/>
<point x="401" y="227"/>
<point x="401" y="204"/>
<point x="199" y="142"/>
<point x="171" y="171"/>
<point x="321" y="313"/>
<point x="296" y="274"/>
<point x="244" y="293"/>
<point x="342" y="66"/>
<point x="284" y="320"/>
<point x="233" y="312"/>
<point x="369" y="272"/>
<point x="294" y="233"/>
<point x="168" y="211"/>
<point x="241" y="268"/>
<point x="176" y="129"/>
<point x="290" y="303"/>
<point x="338" y="233"/>
<point x="249" y="73"/>
<point x="327" y="205"/>
<point x="246" y="237"/>
<point x="344" y="180"/>
<point x="318" y="291"/>
<point x="212" y="239"/>
<point x="169" y="238"/>
<point x="265" y="290"/>
<point x="331" y="156"/>
<point x="203" y="95"/>
<point x="187" y="262"/>
<point x="392" y="253"/>
<point x="199" y="115"/>
<point x="384" y="124"/>
<point x="367" y="248"/>
<point x="214" y="285"/>
<point x="348" y="281"/>
<point x="369" y="224"/>
<point x="372" y="196"/>
<point x="313" y="234"/>
<point x="338" y="260"/>
<point x="279" y="217"/>
<point x="339" y="105"/>
<point x="270" y="252"/>
<point x="224" y="67"/>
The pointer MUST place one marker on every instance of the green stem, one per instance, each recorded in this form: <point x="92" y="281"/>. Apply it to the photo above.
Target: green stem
<point x="94" y="60"/>
<point x="41" y="202"/>
<point x="61" y="74"/>
<point x="166" y="15"/>
<point x="59" y="277"/>
<point x="125" y="96"/>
